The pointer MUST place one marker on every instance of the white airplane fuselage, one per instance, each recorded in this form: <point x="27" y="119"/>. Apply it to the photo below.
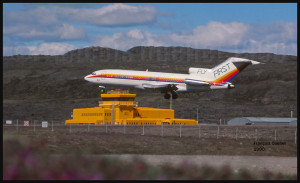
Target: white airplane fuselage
<point x="198" y="79"/>
<point x="138" y="79"/>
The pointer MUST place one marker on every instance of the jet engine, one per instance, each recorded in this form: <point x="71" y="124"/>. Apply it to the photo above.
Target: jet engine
<point x="195" y="82"/>
<point x="227" y="85"/>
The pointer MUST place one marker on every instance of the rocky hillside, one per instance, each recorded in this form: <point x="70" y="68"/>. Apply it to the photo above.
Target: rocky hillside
<point x="49" y="87"/>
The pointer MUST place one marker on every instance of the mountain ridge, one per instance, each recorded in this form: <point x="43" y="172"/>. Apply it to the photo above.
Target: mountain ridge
<point x="58" y="81"/>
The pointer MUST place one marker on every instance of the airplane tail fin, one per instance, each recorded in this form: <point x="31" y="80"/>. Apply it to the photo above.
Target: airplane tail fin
<point x="229" y="69"/>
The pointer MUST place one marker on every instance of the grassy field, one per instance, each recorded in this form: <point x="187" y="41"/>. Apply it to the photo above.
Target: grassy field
<point x="30" y="147"/>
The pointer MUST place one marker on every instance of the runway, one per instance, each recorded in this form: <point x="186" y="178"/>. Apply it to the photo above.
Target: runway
<point x="285" y="165"/>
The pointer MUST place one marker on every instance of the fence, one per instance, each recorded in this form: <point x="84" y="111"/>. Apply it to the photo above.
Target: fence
<point x="257" y="133"/>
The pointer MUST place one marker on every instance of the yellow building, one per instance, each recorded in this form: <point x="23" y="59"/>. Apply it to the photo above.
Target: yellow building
<point x="119" y="108"/>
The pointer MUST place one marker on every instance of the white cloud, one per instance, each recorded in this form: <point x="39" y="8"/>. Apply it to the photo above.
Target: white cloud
<point x="135" y="34"/>
<point x="111" y="15"/>
<point x="60" y="32"/>
<point x="265" y="47"/>
<point x="55" y="22"/>
<point x="124" y="41"/>
<point x="38" y="15"/>
<point x="68" y="31"/>
<point x="42" y="49"/>
<point x="278" y="37"/>
<point x="276" y="31"/>
<point x="214" y="34"/>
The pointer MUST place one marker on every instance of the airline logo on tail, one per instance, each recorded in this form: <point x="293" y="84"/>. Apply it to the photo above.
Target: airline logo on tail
<point x="226" y="71"/>
<point x="221" y="70"/>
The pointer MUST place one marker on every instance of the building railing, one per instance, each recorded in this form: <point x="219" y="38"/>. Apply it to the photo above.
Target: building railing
<point x="120" y="103"/>
<point x="118" y="91"/>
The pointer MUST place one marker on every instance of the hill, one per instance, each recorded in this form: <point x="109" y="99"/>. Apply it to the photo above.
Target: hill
<point x="49" y="87"/>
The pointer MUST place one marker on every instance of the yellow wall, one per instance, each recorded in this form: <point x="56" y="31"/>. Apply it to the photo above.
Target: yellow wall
<point x="146" y="112"/>
<point x="125" y="113"/>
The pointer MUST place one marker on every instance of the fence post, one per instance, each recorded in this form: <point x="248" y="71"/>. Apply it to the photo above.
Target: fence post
<point x="88" y="127"/>
<point x="106" y="126"/>
<point x="218" y="132"/>
<point x="275" y="134"/>
<point x="255" y="134"/>
<point x="197" y="116"/>
<point x="180" y="130"/>
<point x="295" y="136"/>
<point x="171" y="100"/>
<point x="199" y="130"/>
<point x="17" y="126"/>
<point x="236" y="133"/>
<point x="52" y="125"/>
<point x="70" y="127"/>
<point x="162" y="129"/>
<point x="124" y="128"/>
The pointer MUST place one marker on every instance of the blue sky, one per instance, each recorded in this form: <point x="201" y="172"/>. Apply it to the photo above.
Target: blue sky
<point x="55" y="28"/>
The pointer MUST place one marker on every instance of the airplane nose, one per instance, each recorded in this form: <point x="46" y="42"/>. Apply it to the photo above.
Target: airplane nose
<point x="86" y="78"/>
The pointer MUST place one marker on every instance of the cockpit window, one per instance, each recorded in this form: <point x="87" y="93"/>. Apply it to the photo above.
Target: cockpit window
<point x="94" y="73"/>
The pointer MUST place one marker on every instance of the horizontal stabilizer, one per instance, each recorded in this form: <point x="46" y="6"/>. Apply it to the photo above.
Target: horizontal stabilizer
<point x="255" y="62"/>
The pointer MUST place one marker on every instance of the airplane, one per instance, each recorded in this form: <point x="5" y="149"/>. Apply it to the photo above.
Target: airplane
<point x="198" y="79"/>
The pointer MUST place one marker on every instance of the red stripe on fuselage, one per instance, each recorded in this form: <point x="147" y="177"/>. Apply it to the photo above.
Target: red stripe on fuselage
<point x="148" y="78"/>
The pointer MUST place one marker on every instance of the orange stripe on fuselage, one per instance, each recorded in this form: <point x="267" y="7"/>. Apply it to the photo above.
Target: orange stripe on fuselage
<point x="139" y="77"/>
<point x="219" y="80"/>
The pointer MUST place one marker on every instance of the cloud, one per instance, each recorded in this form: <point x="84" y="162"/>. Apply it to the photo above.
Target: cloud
<point x="61" y="32"/>
<point x="214" y="34"/>
<point x="56" y="22"/>
<point x="278" y="37"/>
<point x="111" y="15"/>
<point x="276" y="31"/>
<point x="60" y="22"/>
<point x="37" y="16"/>
<point x="68" y="31"/>
<point x="267" y="47"/>
<point x="42" y="49"/>
<point x="124" y="41"/>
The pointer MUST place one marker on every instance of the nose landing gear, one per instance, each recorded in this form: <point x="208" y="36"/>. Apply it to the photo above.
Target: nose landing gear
<point x="102" y="89"/>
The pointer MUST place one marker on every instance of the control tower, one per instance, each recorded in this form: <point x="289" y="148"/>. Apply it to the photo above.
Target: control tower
<point x="119" y="108"/>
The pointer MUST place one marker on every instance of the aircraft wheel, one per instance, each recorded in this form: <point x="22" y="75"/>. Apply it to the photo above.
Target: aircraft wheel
<point x="174" y="95"/>
<point x="167" y="96"/>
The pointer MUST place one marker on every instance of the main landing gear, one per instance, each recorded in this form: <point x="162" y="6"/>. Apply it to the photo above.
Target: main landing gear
<point x="167" y="96"/>
<point x="173" y="94"/>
